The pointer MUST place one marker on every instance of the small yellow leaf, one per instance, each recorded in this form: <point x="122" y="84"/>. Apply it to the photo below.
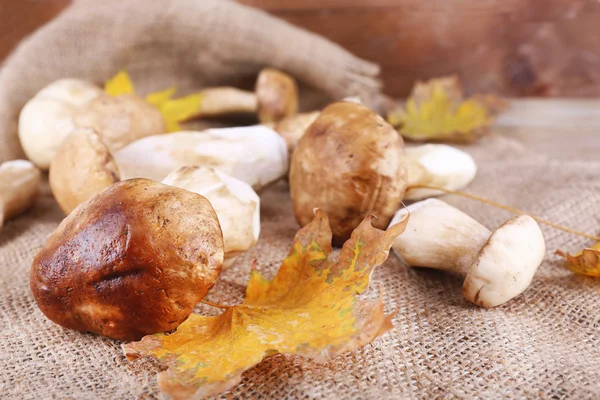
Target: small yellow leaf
<point x="119" y="84"/>
<point x="436" y="111"/>
<point x="586" y="262"/>
<point x="310" y="308"/>
<point x="157" y="99"/>
<point x="179" y="110"/>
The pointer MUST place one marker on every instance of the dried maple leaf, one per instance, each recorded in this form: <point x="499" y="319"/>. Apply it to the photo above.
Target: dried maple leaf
<point x="586" y="262"/>
<point x="173" y="111"/>
<point x="310" y="308"/>
<point x="436" y="110"/>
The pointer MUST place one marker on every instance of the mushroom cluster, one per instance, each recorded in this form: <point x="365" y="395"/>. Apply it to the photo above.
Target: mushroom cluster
<point x="166" y="213"/>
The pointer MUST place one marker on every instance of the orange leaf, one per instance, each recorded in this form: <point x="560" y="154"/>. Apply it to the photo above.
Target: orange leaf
<point x="312" y="307"/>
<point x="586" y="262"/>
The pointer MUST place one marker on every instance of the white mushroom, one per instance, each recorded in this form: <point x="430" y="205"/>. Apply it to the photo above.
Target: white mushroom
<point x="236" y="204"/>
<point x="47" y="118"/>
<point x="497" y="266"/>
<point x="256" y="154"/>
<point x="437" y="165"/>
<point x="19" y="183"/>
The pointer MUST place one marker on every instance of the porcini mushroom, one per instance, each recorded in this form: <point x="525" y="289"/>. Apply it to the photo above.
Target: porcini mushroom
<point x="275" y="97"/>
<point x="64" y="105"/>
<point x="437" y="165"/>
<point x="497" y="266"/>
<point x="131" y="261"/>
<point x="120" y="120"/>
<point x="47" y="118"/>
<point x="81" y="167"/>
<point x="19" y="184"/>
<point x="349" y="163"/>
<point x="292" y="128"/>
<point x="255" y="154"/>
<point x="237" y="205"/>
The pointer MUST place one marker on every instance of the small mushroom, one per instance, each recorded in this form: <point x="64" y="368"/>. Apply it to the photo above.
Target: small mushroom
<point x="256" y="154"/>
<point x="47" y="118"/>
<point x="497" y="266"/>
<point x="120" y="120"/>
<point x="349" y="163"/>
<point x="275" y="97"/>
<point x="131" y="261"/>
<point x="19" y="185"/>
<point x="82" y="167"/>
<point x="59" y="108"/>
<point x="437" y="165"/>
<point x="292" y="128"/>
<point x="237" y="206"/>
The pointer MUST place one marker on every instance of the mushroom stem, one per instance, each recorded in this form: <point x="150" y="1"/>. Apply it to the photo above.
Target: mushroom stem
<point x="507" y="208"/>
<point x="19" y="182"/>
<point x="439" y="236"/>
<point x="226" y="100"/>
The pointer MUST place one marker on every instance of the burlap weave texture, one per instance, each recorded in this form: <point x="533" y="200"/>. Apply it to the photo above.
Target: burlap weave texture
<point x="543" y="344"/>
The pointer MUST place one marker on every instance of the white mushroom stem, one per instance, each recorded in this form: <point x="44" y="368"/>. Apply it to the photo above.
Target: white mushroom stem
<point x="226" y="100"/>
<point x="496" y="267"/>
<point x="437" y="165"/>
<point x="439" y="236"/>
<point x="237" y="206"/>
<point x="256" y="154"/>
<point x="19" y="183"/>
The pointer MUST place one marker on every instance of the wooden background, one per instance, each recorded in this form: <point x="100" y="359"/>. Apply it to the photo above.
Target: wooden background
<point x="513" y="47"/>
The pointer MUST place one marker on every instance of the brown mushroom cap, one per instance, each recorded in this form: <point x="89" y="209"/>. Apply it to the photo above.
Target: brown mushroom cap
<point x="81" y="167"/>
<point x="131" y="261"/>
<point x="350" y="163"/>
<point x="277" y="95"/>
<point x="120" y="120"/>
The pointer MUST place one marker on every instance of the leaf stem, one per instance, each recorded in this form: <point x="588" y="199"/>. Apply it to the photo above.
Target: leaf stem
<point x="507" y="208"/>
<point x="208" y="303"/>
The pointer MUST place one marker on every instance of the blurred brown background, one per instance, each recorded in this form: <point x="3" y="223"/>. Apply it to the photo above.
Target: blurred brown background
<point x="513" y="47"/>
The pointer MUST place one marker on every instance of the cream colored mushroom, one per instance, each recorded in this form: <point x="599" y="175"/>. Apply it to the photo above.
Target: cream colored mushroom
<point x="237" y="205"/>
<point x="275" y="96"/>
<point x="64" y="105"/>
<point x="256" y="154"/>
<point x="497" y="266"/>
<point x="19" y="184"/>
<point x="82" y="167"/>
<point x="292" y="128"/>
<point x="47" y="118"/>
<point x="437" y="165"/>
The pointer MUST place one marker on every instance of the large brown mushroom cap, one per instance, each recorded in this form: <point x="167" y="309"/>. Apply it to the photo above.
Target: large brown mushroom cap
<point x="276" y="94"/>
<point x="349" y="163"/>
<point x="81" y="167"/>
<point x="131" y="261"/>
<point x="120" y="120"/>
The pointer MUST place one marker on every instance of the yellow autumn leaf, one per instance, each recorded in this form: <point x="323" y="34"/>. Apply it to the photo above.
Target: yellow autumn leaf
<point x="586" y="262"/>
<point x="311" y="308"/>
<point x="157" y="99"/>
<point x="178" y="110"/>
<point x="119" y="84"/>
<point x="436" y="110"/>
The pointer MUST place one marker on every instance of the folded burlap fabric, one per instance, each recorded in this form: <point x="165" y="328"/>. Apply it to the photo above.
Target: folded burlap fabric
<point x="187" y="43"/>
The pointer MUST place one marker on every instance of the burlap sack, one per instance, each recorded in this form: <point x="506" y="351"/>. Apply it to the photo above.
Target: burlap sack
<point x="187" y="43"/>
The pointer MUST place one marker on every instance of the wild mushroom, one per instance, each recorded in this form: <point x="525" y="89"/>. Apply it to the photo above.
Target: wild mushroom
<point x="275" y="97"/>
<point x="292" y="128"/>
<point x="47" y="118"/>
<point x="19" y="184"/>
<point x="255" y="154"/>
<point x="497" y="266"/>
<point x="349" y="163"/>
<point x="64" y="105"/>
<point x="82" y="167"/>
<point x="237" y="206"/>
<point x="131" y="261"/>
<point x="120" y="120"/>
<point x="437" y="165"/>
